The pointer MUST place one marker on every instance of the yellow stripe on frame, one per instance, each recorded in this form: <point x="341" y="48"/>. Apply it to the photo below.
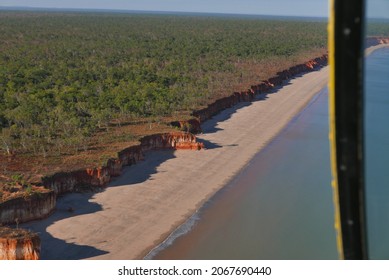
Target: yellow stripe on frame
<point x="332" y="133"/>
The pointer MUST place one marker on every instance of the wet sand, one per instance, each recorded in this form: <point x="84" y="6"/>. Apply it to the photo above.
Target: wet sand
<point x="151" y="199"/>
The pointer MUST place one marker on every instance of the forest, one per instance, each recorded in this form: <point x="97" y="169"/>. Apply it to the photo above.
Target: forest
<point x="63" y="76"/>
<point x="66" y="76"/>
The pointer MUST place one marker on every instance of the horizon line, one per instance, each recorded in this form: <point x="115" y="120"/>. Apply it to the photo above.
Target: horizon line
<point x="150" y="11"/>
<point x="101" y="10"/>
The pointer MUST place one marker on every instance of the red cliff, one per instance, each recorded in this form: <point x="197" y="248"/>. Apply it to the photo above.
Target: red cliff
<point x="263" y="87"/>
<point x="100" y="176"/>
<point x="19" y="244"/>
<point x="373" y="41"/>
<point x="173" y="140"/>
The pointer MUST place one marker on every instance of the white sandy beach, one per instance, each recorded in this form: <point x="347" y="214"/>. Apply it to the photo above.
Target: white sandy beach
<point x="152" y="198"/>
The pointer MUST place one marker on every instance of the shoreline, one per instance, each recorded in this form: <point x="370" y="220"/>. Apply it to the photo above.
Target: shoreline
<point x="302" y="101"/>
<point x="187" y="225"/>
<point x="301" y="105"/>
<point x="271" y="172"/>
<point x="150" y="200"/>
<point x="372" y="49"/>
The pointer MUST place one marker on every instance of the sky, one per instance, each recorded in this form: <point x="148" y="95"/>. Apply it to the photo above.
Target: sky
<point x="315" y="8"/>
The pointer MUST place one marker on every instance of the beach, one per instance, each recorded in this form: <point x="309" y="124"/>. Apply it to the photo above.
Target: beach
<point x="280" y="205"/>
<point x="142" y="207"/>
<point x="139" y="209"/>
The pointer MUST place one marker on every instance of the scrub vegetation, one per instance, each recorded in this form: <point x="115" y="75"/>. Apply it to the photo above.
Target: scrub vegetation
<point x="65" y="76"/>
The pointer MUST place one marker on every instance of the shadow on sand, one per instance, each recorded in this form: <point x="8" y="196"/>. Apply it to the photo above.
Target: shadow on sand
<point x="143" y="170"/>
<point x="77" y="204"/>
<point x="211" y="125"/>
<point x="57" y="249"/>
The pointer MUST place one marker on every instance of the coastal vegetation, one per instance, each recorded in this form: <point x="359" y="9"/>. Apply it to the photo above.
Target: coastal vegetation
<point x="377" y="28"/>
<point x="64" y="76"/>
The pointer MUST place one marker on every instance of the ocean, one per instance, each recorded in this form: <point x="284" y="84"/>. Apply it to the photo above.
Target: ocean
<point x="280" y="206"/>
<point x="377" y="153"/>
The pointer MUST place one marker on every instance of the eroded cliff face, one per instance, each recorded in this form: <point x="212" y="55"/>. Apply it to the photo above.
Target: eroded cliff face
<point x="373" y="41"/>
<point x="192" y="126"/>
<point x="263" y="87"/>
<point x="99" y="177"/>
<point x="130" y="155"/>
<point x="174" y="140"/>
<point x="19" y="244"/>
<point x="39" y="205"/>
<point x="28" y="208"/>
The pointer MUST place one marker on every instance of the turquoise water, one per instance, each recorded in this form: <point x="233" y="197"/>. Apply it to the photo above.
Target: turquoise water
<point x="280" y="206"/>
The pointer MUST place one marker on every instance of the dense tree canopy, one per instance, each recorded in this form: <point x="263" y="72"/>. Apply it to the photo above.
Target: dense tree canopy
<point x="62" y="76"/>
